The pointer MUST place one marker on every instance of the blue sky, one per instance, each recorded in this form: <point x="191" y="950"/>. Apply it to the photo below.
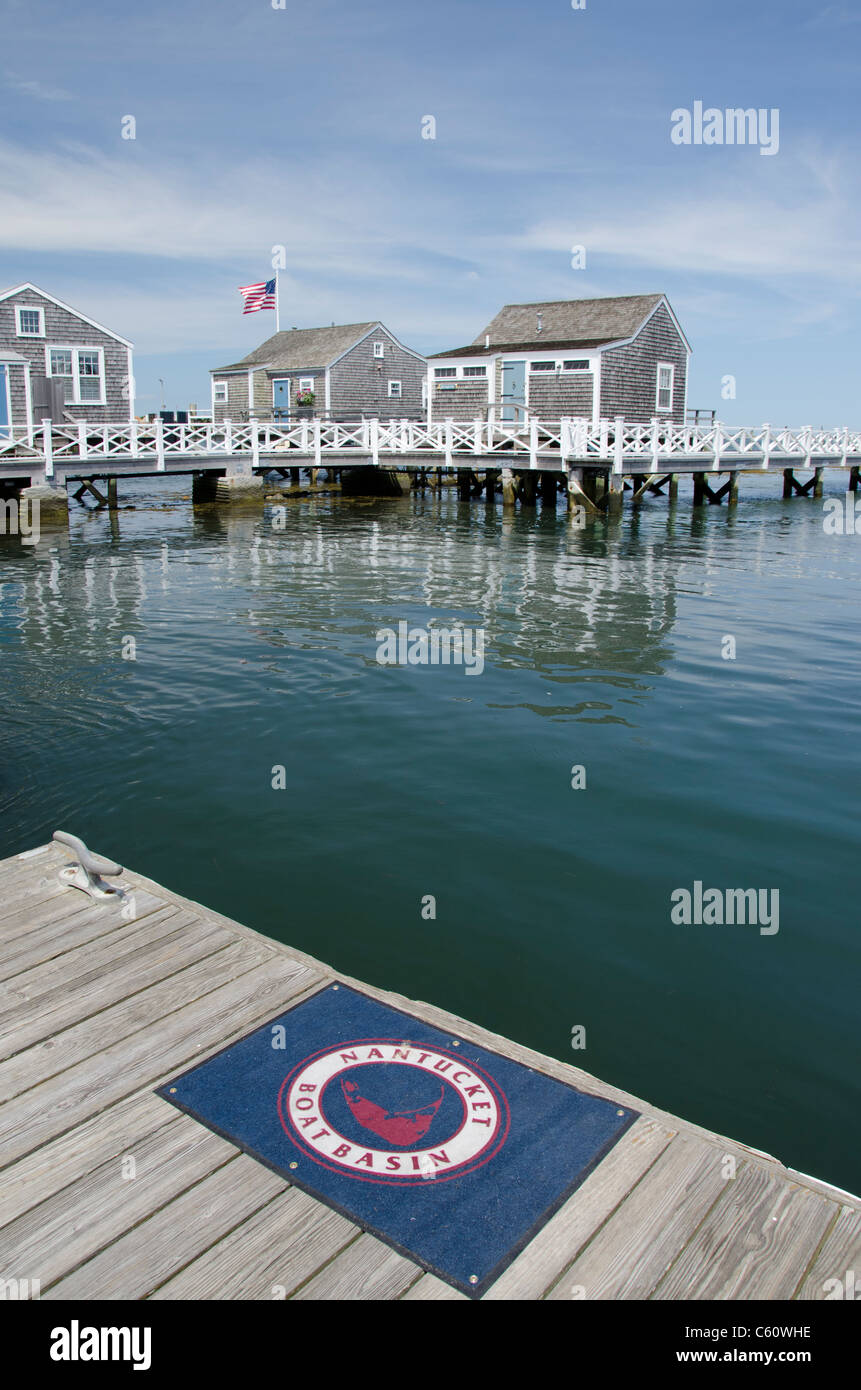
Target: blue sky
<point x="302" y="126"/>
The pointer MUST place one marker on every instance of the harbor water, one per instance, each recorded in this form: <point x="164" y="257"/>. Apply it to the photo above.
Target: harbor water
<point x="197" y="693"/>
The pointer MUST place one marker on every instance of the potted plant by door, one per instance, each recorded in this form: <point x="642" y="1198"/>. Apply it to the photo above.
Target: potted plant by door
<point x="304" y="403"/>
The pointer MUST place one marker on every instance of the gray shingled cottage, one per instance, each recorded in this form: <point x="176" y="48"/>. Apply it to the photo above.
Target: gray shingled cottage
<point x="56" y="363"/>
<point x="347" y="371"/>
<point x="593" y="358"/>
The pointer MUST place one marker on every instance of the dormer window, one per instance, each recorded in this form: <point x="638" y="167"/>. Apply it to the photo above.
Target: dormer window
<point x="29" y="321"/>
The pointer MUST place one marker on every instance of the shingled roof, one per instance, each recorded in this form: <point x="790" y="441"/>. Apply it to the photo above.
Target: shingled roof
<point x="564" y="323"/>
<point x="299" y="348"/>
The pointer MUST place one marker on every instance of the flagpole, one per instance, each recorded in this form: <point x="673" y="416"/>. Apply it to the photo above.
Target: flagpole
<point x="277" y="304"/>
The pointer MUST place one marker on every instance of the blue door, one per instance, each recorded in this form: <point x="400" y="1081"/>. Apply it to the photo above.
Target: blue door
<point x="513" y="390"/>
<point x="281" y="398"/>
<point x="4" y="404"/>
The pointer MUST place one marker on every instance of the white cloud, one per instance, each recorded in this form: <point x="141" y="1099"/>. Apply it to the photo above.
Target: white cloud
<point x="31" y="87"/>
<point x="75" y="199"/>
<point x="748" y="232"/>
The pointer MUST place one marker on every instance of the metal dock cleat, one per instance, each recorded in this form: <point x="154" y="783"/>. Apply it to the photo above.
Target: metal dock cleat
<point x="87" y="873"/>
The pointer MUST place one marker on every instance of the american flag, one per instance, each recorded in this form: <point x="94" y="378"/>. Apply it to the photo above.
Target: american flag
<point x="259" y="296"/>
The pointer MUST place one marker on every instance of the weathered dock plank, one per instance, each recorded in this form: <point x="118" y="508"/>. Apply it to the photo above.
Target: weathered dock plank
<point x="637" y="1245"/>
<point x="108" y="1135"/>
<point x="97" y="1011"/>
<point x="269" y="1256"/>
<point x="175" y="1235"/>
<point x="754" y="1244"/>
<point x="149" y="1055"/>
<point x="194" y="966"/>
<point x="367" y="1269"/>
<point x="75" y="960"/>
<point x="836" y="1262"/>
<point x="106" y="1204"/>
<point x="429" y="1289"/>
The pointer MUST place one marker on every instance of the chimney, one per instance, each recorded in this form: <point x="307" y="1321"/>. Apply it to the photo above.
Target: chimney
<point x="487" y="340"/>
<point x="539" y="324"/>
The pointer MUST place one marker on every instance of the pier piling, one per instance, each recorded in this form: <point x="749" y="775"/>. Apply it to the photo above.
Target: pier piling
<point x="527" y="489"/>
<point x="509" y="491"/>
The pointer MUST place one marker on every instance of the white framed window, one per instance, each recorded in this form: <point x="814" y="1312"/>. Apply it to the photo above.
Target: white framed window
<point x="29" y="321"/>
<point x="542" y="366"/>
<point x="91" y="377"/>
<point x="664" y="386"/>
<point x="576" y="364"/>
<point x="475" y="371"/>
<point x="395" y="390"/>
<point x="82" y="369"/>
<point x="219" y="392"/>
<point x="445" y="371"/>
<point x="306" y="383"/>
<point x="379" y="349"/>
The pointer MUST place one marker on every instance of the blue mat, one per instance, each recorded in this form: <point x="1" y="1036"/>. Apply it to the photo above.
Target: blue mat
<point x="450" y="1153"/>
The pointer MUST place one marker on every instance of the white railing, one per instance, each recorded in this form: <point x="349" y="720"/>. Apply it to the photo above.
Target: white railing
<point x="614" y="443"/>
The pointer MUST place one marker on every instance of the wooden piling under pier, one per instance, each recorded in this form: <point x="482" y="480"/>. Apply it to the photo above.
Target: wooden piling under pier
<point x="98" y="1011"/>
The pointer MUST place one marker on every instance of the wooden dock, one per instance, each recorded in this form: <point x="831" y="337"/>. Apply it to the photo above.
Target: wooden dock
<point x="108" y="1192"/>
<point x="58" y="454"/>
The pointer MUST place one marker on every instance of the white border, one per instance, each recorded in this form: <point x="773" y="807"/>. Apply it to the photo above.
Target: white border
<point x="9" y="422"/>
<point x="659" y="367"/>
<point x="76" y="348"/>
<point x="29" y="309"/>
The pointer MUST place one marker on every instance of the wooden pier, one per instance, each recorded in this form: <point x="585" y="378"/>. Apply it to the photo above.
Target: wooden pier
<point x="595" y="462"/>
<point x="108" y="1193"/>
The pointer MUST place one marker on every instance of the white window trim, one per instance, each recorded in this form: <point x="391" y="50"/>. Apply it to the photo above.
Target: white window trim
<point x="74" y="349"/>
<point x="131" y="383"/>
<point x="379" y="351"/>
<point x="220" y="386"/>
<point x="399" y="394"/>
<point x="306" y="383"/>
<point x="8" y="428"/>
<point x="668" y="367"/>
<point x="29" y="309"/>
